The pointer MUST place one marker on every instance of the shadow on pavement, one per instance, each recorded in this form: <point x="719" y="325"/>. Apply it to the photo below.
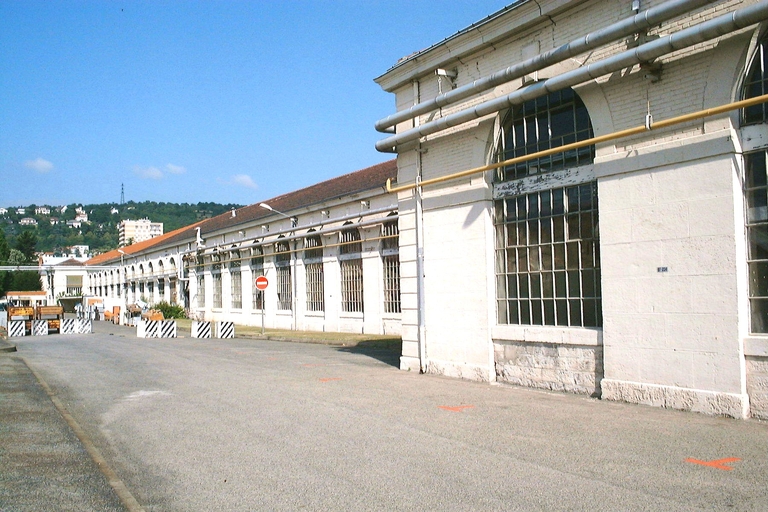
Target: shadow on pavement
<point x="386" y="351"/>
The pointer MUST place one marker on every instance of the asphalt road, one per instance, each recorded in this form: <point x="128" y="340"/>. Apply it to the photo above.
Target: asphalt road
<point x="191" y="425"/>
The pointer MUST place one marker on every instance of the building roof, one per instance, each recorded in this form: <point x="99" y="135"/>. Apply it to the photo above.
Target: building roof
<point x="348" y="184"/>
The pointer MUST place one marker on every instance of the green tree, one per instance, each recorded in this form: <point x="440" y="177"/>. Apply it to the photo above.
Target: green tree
<point x="26" y="243"/>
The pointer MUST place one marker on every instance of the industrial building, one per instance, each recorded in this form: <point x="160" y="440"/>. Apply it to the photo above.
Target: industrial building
<point x="579" y="203"/>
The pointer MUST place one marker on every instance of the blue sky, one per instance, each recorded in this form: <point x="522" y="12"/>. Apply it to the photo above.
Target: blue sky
<point x="225" y="101"/>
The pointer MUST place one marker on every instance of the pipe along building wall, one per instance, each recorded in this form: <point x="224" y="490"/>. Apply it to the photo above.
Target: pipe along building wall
<point x="622" y="271"/>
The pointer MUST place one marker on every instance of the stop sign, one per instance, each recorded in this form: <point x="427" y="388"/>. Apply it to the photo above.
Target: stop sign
<point x="261" y="283"/>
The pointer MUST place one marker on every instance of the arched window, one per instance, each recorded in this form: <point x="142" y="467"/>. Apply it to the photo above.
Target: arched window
<point x="547" y="243"/>
<point x="235" y="280"/>
<point x="284" y="275"/>
<point x="313" y="270"/>
<point x="390" y="257"/>
<point x="756" y="84"/>
<point x="756" y="194"/>
<point x="544" y="123"/>
<point x="351" y="266"/>
<point x="257" y="269"/>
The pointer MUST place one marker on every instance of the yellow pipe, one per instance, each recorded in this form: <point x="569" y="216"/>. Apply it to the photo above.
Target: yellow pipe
<point x="588" y="142"/>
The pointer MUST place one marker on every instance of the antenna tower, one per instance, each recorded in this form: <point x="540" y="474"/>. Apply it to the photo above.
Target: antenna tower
<point x="122" y="194"/>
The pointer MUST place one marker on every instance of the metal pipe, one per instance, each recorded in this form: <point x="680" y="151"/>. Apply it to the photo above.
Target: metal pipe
<point x="588" y="142"/>
<point x="645" y="53"/>
<point x="623" y="28"/>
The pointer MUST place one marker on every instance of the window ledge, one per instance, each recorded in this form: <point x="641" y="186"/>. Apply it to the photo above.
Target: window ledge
<point x="584" y="336"/>
<point x="352" y="315"/>
<point x="315" y="314"/>
<point x="756" y="346"/>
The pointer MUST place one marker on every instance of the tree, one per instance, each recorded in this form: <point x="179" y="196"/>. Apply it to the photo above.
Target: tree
<point x="26" y="243"/>
<point x="4" y="248"/>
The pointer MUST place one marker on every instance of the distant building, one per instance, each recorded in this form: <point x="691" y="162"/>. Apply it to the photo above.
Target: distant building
<point x="133" y="231"/>
<point x="3" y="211"/>
<point x="28" y="221"/>
<point x="74" y="223"/>
<point x="79" y="250"/>
<point x="21" y="211"/>
<point x="114" y="211"/>
<point x="42" y="210"/>
<point x="54" y="221"/>
<point x="81" y="217"/>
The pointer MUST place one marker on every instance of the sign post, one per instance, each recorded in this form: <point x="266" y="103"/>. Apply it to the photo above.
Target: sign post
<point x="261" y="284"/>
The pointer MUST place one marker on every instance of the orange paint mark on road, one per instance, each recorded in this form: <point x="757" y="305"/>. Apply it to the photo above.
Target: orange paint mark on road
<point x="328" y="379"/>
<point x="717" y="464"/>
<point x="455" y="408"/>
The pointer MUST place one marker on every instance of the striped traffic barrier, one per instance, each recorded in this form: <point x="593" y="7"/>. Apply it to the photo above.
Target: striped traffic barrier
<point x="167" y="329"/>
<point x="148" y="329"/>
<point x="201" y="329"/>
<point x="225" y="330"/>
<point x="16" y="328"/>
<point x="83" y="326"/>
<point x="39" y="327"/>
<point x="68" y="326"/>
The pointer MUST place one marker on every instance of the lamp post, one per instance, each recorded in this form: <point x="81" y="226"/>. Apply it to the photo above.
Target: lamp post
<point x="122" y="271"/>
<point x="294" y="223"/>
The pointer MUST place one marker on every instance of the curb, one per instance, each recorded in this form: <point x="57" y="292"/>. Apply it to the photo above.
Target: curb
<point x="7" y="347"/>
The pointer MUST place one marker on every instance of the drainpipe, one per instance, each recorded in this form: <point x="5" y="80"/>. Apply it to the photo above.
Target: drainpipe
<point x="421" y="330"/>
<point x="645" y="53"/>
<point x="613" y="32"/>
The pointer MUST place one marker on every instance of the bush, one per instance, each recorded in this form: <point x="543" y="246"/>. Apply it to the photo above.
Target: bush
<point x="170" y="310"/>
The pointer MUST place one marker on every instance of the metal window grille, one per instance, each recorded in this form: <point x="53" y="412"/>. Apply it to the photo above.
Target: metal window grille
<point x="236" y="280"/>
<point x="257" y="269"/>
<point x="284" y="277"/>
<point x="391" y="264"/>
<point x="756" y="84"/>
<point x="391" y="283"/>
<point x="543" y="123"/>
<point x="352" y="285"/>
<point x="161" y="289"/>
<point x="314" y="273"/>
<point x="351" y="266"/>
<point x="756" y="192"/>
<point x="217" y="290"/>
<point x="200" y="291"/>
<point x="548" y="258"/>
<point x="313" y="268"/>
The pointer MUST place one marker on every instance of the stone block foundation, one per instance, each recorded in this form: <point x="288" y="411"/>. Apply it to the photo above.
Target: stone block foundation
<point x="566" y="367"/>
<point x="757" y="386"/>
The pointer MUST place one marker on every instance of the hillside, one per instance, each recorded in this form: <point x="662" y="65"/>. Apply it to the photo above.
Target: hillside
<point x="95" y="225"/>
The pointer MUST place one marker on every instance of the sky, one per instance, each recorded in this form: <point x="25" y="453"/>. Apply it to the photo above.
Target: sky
<point x="220" y="101"/>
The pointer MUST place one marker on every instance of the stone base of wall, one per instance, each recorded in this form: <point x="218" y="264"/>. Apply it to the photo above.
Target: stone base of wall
<point x="757" y="386"/>
<point x="572" y="368"/>
<point x="671" y="397"/>
<point x="460" y="371"/>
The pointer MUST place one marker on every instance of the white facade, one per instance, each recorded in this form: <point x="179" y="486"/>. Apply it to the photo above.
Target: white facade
<point x="654" y="305"/>
<point x="138" y="230"/>
<point x="329" y="252"/>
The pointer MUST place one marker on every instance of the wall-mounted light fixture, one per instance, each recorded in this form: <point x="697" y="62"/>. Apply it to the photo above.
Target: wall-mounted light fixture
<point x="294" y="220"/>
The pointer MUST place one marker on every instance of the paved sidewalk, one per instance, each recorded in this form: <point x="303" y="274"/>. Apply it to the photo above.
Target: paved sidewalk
<point x="43" y="465"/>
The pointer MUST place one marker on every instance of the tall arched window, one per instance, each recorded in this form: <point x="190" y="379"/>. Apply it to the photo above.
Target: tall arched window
<point x="284" y="278"/>
<point x="313" y="270"/>
<point x="547" y="243"/>
<point x="257" y="269"/>
<point x="351" y="266"/>
<point x="544" y="123"/>
<point x="390" y="258"/>
<point x="756" y="84"/>
<point x="756" y="194"/>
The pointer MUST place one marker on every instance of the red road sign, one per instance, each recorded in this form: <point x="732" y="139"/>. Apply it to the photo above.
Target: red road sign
<point x="262" y="283"/>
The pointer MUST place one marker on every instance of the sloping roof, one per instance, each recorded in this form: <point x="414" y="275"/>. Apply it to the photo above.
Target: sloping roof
<point x="71" y="262"/>
<point x="348" y="184"/>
